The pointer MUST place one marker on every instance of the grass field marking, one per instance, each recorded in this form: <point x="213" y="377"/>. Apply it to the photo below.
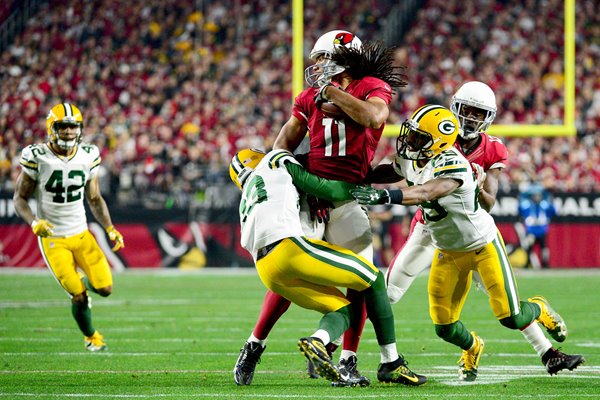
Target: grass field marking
<point x="230" y="354"/>
<point x="499" y="370"/>
<point x="350" y="394"/>
<point x="239" y="343"/>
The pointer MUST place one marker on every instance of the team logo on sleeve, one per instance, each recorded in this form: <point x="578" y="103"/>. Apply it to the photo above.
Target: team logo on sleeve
<point x="447" y="127"/>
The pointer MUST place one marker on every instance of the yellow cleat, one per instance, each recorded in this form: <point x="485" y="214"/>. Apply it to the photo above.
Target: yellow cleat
<point x="469" y="361"/>
<point x="95" y="342"/>
<point x="550" y="319"/>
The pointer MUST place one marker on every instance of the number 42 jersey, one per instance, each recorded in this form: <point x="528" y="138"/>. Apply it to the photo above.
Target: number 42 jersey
<point x="457" y="221"/>
<point x="61" y="184"/>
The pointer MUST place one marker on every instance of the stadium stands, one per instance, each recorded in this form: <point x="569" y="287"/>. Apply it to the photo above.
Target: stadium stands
<point x="169" y="91"/>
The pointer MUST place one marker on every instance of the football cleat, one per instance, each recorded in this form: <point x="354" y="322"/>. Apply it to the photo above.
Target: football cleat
<point x="310" y="367"/>
<point x="243" y="372"/>
<point x="314" y="350"/>
<point x="555" y="360"/>
<point x="550" y="319"/>
<point x="350" y="377"/>
<point x="95" y="342"/>
<point x="398" y="372"/>
<point x="469" y="361"/>
<point x="311" y="370"/>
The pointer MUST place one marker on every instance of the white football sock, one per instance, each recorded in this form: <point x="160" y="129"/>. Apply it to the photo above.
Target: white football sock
<point x="254" y="339"/>
<point x="389" y="352"/>
<point x="323" y="335"/>
<point x="535" y="336"/>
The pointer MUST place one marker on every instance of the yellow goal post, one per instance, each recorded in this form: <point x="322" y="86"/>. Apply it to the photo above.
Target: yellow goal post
<point x="566" y="129"/>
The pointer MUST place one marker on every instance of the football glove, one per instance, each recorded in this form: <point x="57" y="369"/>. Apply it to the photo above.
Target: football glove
<point x="319" y="209"/>
<point x="116" y="237"/>
<point x="479" y="174"/>
<point x="42" y="228"/>
<point x="368" y="195"/>
<point x="320" y="96"/>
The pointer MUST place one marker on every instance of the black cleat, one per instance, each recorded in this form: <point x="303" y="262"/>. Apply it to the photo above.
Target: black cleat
<point x="246" y="363"/>
<point x="555" y="360"/>
<point x="350" y="377"/>
<point x="398" y="372"/>
<point x="314" y="350"/>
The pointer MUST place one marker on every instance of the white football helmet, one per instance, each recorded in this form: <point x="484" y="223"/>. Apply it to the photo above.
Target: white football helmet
<point x="321" y="73"/>
<point x="477" y="95"/>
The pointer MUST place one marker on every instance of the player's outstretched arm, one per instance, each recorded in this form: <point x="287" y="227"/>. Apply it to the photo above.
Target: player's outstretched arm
<point x="429" y="191"/>
<point x="322" y="188"/>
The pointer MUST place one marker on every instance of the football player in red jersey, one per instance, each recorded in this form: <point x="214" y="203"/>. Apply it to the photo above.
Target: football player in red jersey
<point x="474" y="105"/>
<point x="359" y="80"/>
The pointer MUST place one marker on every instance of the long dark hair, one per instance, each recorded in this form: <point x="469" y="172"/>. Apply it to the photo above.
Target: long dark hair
<point x="372" y="59"/>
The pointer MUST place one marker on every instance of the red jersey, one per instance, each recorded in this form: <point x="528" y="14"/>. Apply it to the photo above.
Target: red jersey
<point x="340" y="148"/>
<point x="489" y="153"/>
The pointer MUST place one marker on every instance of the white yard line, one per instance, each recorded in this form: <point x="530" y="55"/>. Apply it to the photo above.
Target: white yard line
<point x="350" y="394"/>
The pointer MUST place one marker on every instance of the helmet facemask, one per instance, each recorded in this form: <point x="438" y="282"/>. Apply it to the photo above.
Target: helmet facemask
<point x="413" y="143"/>
<point x="474" y="106"/>
<point x="242" y="165"/>
<point x="66" y="123"/>
<point x="320" y="74"/>
<point x="61" y="117"/>
<point x="473" y="119"/>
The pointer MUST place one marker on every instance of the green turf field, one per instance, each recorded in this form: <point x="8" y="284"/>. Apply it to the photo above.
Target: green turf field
<point x="177" y="336"/>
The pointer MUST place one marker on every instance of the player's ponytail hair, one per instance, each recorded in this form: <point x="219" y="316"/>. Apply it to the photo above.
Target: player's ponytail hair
<point x="372" y="59"/>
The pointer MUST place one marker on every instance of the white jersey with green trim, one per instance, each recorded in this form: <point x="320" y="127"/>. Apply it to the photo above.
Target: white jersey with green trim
<point x="457" y="221"/>
<point x="61" y="184"/>
<point x="269" y="208"/>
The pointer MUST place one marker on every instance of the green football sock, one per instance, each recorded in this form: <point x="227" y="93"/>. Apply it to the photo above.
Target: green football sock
<point x="336" y="322"/>
<point x="83" y="316"/>
<point x="380" y="312"/>
<point x="529" y="313"/>
<point x="455" y="333"/>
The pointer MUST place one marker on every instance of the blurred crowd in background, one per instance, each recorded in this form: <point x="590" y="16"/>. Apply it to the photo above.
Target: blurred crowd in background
<point x="171" y="89"/>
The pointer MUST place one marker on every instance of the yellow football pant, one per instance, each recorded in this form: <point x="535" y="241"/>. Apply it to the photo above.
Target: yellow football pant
<point x="308" y="272"/>
<point x="450" y="281"/>
<point x="64" y="255"/>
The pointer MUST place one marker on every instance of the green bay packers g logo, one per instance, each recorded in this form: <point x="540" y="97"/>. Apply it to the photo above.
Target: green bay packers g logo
<point x="447" y="127"/>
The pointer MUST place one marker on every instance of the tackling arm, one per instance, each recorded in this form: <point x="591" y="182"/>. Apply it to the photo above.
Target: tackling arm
<point x="429" y="191"/>
<point x="322" y="188"/>
<point x="371" y="113"/>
